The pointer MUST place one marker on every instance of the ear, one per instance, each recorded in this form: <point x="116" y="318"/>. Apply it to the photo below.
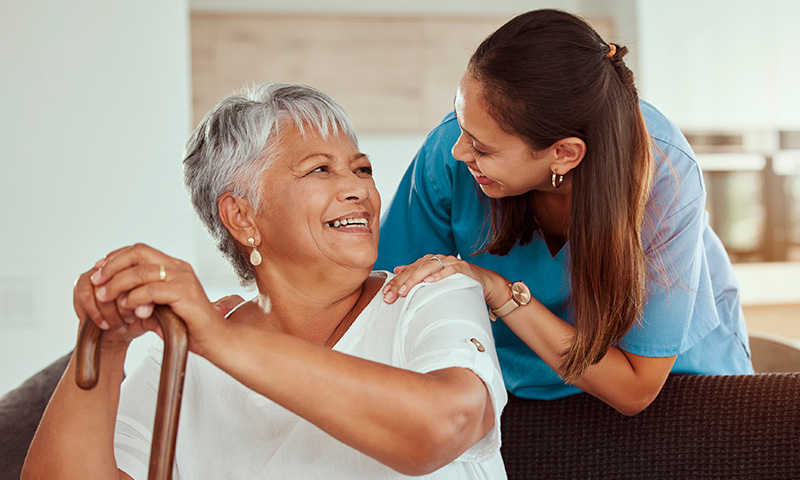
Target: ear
<point x="569" y="153"/>
<point x="238" y="217"/>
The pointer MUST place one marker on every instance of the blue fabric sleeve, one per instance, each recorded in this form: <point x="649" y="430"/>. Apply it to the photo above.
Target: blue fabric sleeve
<point x="418" y="220"/>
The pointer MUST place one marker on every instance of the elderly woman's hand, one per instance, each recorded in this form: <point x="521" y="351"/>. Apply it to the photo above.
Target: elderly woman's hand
<point x="121" y="323"/>
<point x="136" y="278"/>
<point x="432" y="268"/>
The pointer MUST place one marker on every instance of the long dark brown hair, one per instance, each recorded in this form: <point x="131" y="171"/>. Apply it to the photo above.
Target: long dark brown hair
<point x="547" y="75"/>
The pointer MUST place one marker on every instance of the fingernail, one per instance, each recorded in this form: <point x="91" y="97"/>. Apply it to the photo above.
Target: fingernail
<point x="144" y="311"/>
<point x="428" y="279"/>
<point x="389" y="297"/>
<point x="95" y="276"/>
<point x="402" y="290"/>
<point x="123" y="302"/>
<point x="100" y="263"/>
<point x="103" y="325"/>
<point x="101" y="293"/>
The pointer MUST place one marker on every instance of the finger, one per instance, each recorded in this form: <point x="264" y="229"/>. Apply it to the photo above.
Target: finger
<point x="125" y="310"/>
<point x="144" y="311"/>
<point x="84" y="301"/>
<point x="99" y="264"/>
<point x="189" y="304"/>
<point x="408" y="276"/>
<point x="397" y="271"/>
<point x="127" y="257"/>
<point x="110" y="314"/>
<point x="133" y="277"/>
<point x="432" y="265"/>
<point x="390" y="290"/>
<point x="442" y="273"/>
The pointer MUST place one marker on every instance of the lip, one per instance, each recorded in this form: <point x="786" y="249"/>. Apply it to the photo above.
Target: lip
<point x="480" y="178"/>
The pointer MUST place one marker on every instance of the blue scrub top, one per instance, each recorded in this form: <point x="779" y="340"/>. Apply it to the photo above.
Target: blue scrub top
<point x="695" y="313"/>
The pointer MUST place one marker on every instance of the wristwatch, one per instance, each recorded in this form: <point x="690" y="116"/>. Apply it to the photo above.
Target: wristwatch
<point x="520" y="295"/>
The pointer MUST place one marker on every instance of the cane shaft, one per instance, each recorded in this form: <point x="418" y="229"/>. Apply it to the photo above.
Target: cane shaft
<point x="170" y="389"/>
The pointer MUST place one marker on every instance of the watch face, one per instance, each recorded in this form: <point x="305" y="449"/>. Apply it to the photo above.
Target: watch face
<point x="520" y="293"/>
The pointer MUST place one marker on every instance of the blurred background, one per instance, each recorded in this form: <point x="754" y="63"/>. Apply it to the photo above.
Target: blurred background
<point x="97" y="99"/>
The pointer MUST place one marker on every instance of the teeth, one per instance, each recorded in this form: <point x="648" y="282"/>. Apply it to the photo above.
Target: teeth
<point x="348" y="221"/>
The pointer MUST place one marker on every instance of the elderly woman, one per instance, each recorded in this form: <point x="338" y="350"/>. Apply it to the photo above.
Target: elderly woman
<point x="315" y="377"/>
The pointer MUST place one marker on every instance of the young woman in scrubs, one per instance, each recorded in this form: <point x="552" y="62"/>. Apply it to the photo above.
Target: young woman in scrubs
<point x="581" y="211"/>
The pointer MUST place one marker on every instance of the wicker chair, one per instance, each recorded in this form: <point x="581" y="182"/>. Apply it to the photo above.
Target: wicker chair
<point x="721" y="427"/>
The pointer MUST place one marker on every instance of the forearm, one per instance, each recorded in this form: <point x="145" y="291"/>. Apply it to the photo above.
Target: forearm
<point x="75" y="438"/>
<point x="414" y="423"/>
<point x="626" y="382"/>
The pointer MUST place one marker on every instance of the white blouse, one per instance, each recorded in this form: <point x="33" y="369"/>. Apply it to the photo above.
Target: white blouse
<point x="229" y="431"/>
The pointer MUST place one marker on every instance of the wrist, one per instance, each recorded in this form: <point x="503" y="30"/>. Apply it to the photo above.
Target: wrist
<point x="498" y="294"/>
<point x="519" y="296"/>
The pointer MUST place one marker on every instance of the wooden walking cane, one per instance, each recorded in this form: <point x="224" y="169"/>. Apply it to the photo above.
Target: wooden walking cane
<point x="170" y="388"/>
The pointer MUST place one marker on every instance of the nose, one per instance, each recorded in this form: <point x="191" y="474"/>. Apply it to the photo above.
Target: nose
<point x="460" y="150"/>
<point x="353" y="188"/>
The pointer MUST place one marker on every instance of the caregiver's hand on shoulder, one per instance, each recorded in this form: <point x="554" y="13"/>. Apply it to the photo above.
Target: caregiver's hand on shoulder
<point x="138" y="277"/>
<point x="432" y="268"/>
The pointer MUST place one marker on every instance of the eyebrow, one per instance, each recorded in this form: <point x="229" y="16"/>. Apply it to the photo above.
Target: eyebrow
<point x="331" y="157"/>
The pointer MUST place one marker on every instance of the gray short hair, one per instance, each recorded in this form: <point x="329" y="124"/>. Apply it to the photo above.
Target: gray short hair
<point x="235" y="144"/>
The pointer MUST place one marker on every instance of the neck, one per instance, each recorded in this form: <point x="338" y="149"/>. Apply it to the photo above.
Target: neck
<point x="308" y="307"/>
<point x="552" y="210"/>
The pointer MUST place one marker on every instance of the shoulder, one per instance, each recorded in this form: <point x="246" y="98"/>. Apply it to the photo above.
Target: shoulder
<point x="456" y="290"/>
<point x="678" y="179"/>
<point x="457" y="297"/>
<point x="439" y="143"/>
<point x="445" y="134"/>
<point x="454" y="283"/>
<point x="668" y="138"/>
<point x="434" y="170"/>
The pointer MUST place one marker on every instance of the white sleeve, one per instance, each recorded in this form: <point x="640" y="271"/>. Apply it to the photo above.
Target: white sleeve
<point x="136" y="415"/>
<point x="447" y="325"/>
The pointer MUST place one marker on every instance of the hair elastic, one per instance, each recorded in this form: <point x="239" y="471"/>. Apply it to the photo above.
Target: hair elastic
<point x="612" y="50"/>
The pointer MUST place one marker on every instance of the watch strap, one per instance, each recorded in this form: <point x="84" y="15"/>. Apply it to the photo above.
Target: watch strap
<point x="504" y="309"/>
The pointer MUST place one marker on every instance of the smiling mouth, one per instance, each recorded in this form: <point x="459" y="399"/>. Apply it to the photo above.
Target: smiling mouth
<point x="346" y="223"/>
<point x="480" y="178"/>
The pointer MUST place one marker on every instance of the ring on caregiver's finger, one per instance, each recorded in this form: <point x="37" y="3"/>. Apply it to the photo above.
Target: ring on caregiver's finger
<point x="162" y="272"/>
<point x="438" y="260"/>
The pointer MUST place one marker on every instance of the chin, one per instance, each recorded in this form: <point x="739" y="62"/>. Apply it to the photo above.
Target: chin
<point x="493" y="192"/>
<point x="365" y="262"/>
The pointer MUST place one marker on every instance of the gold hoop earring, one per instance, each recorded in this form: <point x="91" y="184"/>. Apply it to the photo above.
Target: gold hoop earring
<point x="556" y="180"/>
<point x="255" y="256"/>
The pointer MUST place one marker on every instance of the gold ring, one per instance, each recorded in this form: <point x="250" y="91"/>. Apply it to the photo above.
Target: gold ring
<point x="438" y="260"/>
<point x="162" y="272"/>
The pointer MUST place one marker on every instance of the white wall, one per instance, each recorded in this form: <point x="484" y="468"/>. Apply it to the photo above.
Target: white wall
<point x="95" y="102"/>
<point x="722" y="64"/>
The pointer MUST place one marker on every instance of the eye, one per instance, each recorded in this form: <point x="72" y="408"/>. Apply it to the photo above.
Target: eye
<point x="364" y="171"/>
<point x="320" y="169"/>
<point x="476" y="152"/>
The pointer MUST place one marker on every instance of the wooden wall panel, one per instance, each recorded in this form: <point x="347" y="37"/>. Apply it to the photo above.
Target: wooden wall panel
<point x="392" y="74"/>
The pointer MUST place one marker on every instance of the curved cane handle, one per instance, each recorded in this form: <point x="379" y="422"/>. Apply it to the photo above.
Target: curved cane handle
<point x="170" y="388"/>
